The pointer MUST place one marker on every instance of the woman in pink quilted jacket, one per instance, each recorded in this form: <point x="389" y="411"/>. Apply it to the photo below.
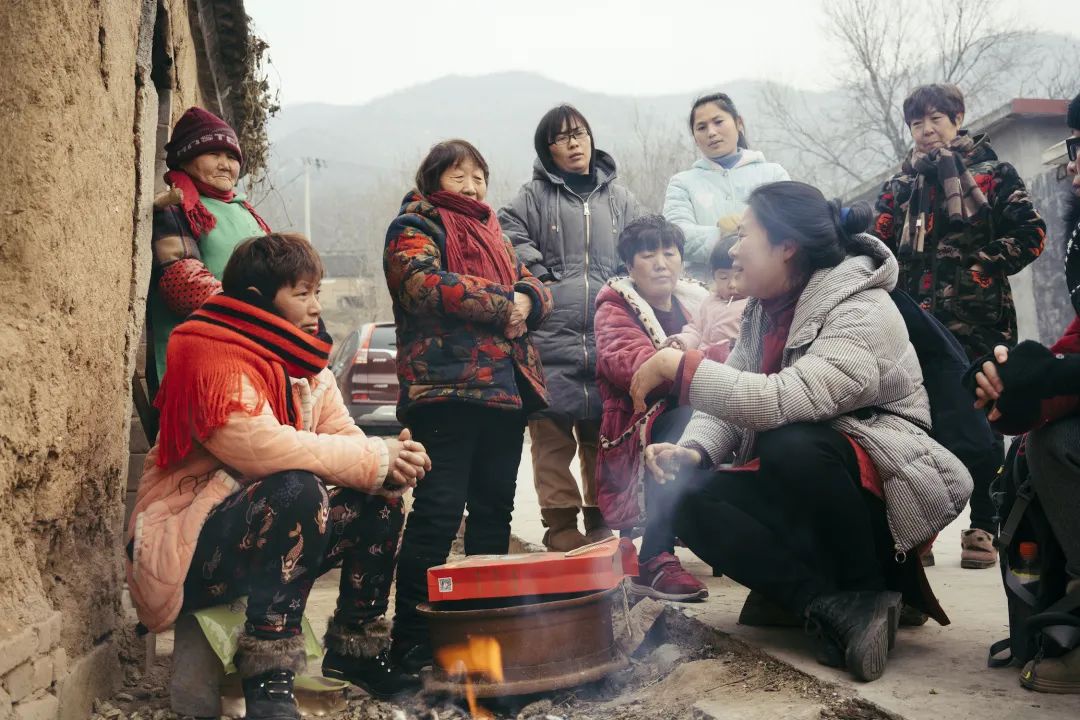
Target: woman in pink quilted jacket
<point x="260" y="481"/>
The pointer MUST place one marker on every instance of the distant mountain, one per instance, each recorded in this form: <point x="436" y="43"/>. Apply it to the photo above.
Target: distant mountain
<point x="371" y="150"/>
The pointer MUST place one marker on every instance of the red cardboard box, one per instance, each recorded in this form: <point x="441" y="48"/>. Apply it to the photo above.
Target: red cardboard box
<point x="600" y="566"/>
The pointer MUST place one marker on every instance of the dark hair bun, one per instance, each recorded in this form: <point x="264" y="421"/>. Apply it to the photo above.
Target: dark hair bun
<point x="856" y="218"/>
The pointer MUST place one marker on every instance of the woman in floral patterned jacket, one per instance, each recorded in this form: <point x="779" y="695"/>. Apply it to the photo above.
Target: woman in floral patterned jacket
<point x="464" y="307"/>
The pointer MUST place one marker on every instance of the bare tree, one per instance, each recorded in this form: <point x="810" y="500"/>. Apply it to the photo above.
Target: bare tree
<point x="885" y="48"/>
<point x="657" y="152"/>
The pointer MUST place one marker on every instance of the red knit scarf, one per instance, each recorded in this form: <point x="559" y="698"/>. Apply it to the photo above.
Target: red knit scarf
<point x="202" y="221"/>
<point x="474" y="240"/>
<point x="210" y="353"/>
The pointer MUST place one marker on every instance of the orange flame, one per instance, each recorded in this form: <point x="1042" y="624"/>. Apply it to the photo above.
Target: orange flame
<point x="480" y="657"/>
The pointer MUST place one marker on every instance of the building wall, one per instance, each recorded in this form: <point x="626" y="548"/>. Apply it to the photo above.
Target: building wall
<point x="76" y="157"/>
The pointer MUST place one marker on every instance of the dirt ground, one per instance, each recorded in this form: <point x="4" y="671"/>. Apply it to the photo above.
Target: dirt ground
<point x="682" y="669"/>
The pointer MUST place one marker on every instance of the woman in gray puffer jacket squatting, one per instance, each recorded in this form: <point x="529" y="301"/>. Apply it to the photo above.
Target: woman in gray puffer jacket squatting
<point x="564" y="224"/>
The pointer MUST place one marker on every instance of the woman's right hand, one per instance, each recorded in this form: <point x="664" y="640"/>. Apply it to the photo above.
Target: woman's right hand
<point x="666" y="460"/>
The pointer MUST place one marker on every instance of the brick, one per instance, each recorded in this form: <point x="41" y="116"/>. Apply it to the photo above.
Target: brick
<point x="20" y="682"/>
<point x="43" y="673"/>
<point x="59" y="664"/>
<point x="17" y="649"/>
<point x="48" y="633"/>
<point x="43" y="708"/>
<point x="96" y="674"/>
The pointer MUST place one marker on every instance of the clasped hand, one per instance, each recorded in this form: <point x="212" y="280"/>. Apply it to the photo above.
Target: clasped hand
<point x="409" y="462"/>
<point x="515" y="326"/>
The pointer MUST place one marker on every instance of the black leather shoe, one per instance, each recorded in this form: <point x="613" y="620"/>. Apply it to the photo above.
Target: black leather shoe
<point x="862" y="624"/>
<point x="377" y="676"/>
<point x="269" y="696"/>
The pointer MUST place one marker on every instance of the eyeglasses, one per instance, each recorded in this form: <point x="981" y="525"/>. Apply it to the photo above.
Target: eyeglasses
<point x="1072" y="146"/>
<point x="563" y="139"/>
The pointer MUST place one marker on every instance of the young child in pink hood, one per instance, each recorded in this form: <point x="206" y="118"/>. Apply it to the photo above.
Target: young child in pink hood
<point x="715" y="326"/>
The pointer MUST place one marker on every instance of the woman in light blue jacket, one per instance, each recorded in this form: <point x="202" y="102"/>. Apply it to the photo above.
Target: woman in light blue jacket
<point x="707" y="200"/>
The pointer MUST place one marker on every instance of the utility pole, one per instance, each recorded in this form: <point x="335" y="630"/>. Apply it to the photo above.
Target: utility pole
<point x="319" y="163"/>
<point x="307" y="199"/>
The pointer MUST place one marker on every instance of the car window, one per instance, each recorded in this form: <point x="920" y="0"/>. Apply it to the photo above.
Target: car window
<point x="343" y="353"/>
<point x="383" y="338"/>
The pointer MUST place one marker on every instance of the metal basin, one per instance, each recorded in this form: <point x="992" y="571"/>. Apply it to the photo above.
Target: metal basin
<point x="546" y="643"/>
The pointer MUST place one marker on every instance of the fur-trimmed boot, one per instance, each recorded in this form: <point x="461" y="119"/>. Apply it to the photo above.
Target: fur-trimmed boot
<point x="361" y="656"/>
<point x="267" y="669"/>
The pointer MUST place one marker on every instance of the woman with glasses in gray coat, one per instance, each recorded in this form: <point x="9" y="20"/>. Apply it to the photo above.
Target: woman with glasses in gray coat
<point x="564" y="224"/>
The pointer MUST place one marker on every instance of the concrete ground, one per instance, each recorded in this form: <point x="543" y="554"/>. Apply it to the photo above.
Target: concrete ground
<point x="934" y="673"/>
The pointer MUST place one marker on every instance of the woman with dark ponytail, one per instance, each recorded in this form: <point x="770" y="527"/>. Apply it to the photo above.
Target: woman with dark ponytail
<point x="821" y="405"/>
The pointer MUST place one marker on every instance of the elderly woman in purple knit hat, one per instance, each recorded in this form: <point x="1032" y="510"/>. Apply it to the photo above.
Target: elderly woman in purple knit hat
<point x="197" y="223"/>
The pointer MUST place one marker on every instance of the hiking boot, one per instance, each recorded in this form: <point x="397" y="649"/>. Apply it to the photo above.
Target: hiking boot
<point x="664" y="578"/>
<point x="376" y="675"/>
<point x="1053" y="675"/>
<point x="862" y="624"/>
<point x="596" y="528"/>
<point x="269" y="696"/>
<point x="977" y="549"/>
<point x="562" y="531"/>
<point x="359" y="654"/>
<point x="267" y="668"/>
<point x="412" y="657"/>
<point x="912" y="617"/>
<point x="760" y="611"/>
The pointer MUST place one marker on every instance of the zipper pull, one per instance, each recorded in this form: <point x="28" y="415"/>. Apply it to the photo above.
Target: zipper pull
<point x="585" y="205"/>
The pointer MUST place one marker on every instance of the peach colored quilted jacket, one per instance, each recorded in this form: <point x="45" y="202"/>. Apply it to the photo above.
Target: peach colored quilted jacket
<point x="173" y="503"/>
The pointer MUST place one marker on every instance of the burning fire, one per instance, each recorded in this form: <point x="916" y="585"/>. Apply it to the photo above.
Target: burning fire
<point x="481" y="657"/>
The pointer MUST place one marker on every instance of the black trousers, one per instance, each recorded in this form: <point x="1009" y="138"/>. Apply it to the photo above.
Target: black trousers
<point x="983" y="471"/>
<point x="271" y="540"/>
<point x="475" y="452"/>
<point x="799" y="527"/>
<point x="659" y="505"/>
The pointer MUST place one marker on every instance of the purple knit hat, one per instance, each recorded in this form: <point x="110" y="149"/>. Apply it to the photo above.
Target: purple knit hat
<point x="200" y="131"/>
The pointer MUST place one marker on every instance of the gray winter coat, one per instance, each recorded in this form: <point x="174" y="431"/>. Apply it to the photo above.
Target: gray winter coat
<point x="573" y="239"/>
<point x="847" y="362"/>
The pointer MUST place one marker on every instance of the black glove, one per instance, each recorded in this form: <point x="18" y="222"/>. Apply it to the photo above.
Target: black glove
<point x="1034" y="370"/>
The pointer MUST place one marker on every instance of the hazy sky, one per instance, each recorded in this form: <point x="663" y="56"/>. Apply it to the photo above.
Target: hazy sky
<point x="350" y="51"/>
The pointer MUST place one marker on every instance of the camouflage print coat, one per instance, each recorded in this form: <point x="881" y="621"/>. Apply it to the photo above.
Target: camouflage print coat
<point x="976" y="307"/>
<point x="451" y="339"/>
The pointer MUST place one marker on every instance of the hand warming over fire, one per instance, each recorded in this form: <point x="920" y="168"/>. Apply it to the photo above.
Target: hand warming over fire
<point x="665" y="460"/>
<point x="655" y="371"/>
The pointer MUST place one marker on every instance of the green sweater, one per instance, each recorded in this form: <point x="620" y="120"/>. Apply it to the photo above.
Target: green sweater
<point x="234" y="225"/>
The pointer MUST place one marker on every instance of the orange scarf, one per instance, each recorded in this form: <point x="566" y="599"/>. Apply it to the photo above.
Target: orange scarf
<point x="208" y="356"/>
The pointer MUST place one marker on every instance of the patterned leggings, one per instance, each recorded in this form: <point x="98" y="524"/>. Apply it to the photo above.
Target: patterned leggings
<point x="271" y="540"/>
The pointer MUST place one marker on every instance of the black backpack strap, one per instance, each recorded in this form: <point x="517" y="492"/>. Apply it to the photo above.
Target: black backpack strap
<point x="1025" y="493"/>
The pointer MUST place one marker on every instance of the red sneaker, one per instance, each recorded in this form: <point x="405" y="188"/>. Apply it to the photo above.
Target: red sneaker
<point x="665" y="578"/>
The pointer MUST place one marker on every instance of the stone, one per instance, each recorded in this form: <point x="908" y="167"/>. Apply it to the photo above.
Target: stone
<point x="17" y="649"/>
<point x="59" y="663"/>
<point x="48" y="633"/>
<point x="95" y="674"/>
<point x="43" y="673"/>
<point x="195" y="685"/>
<point x="540" y="707"/>
<point x="5" y="705"/>
<point x="43" y="708"/>
<point x="20" y="682"/>
<point x="755" y="709"/>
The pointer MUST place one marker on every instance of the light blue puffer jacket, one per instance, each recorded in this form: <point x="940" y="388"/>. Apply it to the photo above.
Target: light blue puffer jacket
<point x="697" y="198"/>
